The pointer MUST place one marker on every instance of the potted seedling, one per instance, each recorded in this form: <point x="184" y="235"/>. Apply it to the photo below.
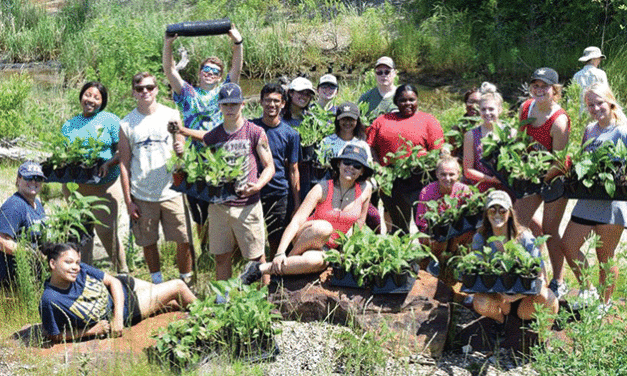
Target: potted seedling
<point x="452" y="216"/>
<point x="316" y="125"/>
<point x="77" y="161"/>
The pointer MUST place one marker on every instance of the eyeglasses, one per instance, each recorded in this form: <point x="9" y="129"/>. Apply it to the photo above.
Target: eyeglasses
<point x="140" y="88"/>
<point x="37" y="179"/>
<point x="210" y="70"/>
<point x="383" y="72"/>
<point x="354" y="164"/>
<point x="493" y="210"/>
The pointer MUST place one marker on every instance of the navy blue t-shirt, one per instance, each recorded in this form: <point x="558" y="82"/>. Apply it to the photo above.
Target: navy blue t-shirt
<point x="16" y="217"/>
<point x="284" y="143"/>
<point x="84" y="303"/>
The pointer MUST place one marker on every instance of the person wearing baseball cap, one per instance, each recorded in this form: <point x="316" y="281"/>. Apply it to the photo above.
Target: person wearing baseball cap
<point x="18" y="214"/>
<point x="332" y="206"/>
<point x="499" y="220"/>
<point x="300" y="92"/>
<point x="591" y="73"/>
<point x="380" y="98"/>
<point x="327" y="91"/>
<point x="549" y="126"/>
<point x="237" y="223"/>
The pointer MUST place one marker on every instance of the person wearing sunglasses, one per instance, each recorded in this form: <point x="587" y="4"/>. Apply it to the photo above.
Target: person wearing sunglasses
<point x="327" y="91"/>
<point x="17" y="215"/>
<point x="199" y="105"/>
<point x="145" y="146"/>
<point x="95" y="123"/>
<point x="499" y="220"/>
<point x="379" y="98"/>
<point x="334" y="205"/>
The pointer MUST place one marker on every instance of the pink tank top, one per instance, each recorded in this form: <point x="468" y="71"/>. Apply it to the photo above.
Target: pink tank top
<point x="341" y="220"/>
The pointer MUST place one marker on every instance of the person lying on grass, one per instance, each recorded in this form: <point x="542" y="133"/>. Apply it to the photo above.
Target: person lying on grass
<point x="336" y="205"/>
<point x="82" y="301"/>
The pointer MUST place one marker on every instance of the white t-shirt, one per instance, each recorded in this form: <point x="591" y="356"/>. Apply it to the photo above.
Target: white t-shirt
<point x="586" y="77"/>
<point x="151" y="147"/>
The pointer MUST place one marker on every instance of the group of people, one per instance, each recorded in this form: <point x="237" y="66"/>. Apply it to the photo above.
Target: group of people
<point x="297" y="218"/>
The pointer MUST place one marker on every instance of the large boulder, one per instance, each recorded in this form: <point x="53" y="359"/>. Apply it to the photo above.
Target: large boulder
<point x="418" y="320"/>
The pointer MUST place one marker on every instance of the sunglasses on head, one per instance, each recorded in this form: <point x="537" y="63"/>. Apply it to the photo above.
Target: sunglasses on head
<point x="37" y="179"/>
<point x="210" y="70"/>
<point x="497" y="209"/>
<point x="354" y="164"/>
<point x="141" y="88"/>
<point x="383" y="72"/>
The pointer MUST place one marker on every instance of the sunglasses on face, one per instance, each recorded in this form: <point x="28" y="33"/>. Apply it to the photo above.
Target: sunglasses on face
<point x="210" y="70"/>
<point x="140" y="88"/>
<point x="354" y="164"/>
<point x="37" y="179"/>
<point x="497" y="209"/>
<point x="384" y="72"/>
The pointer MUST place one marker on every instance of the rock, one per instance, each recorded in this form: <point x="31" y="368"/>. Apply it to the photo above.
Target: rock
<point x="133" y="341"/>
<point x="418" y="320"/>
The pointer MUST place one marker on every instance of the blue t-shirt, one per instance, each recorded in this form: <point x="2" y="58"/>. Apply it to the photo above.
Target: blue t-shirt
<point x="83" y="304"/>
<point x="200" y="107"/>
<point x="285" y="145"/>
<point x="86" y="128"/>
<point x="16" y="218"/>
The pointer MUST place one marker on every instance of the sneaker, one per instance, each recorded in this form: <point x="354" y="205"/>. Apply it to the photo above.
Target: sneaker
<point x="585" y="298"/>
<point x="251" y="273"/>
<point x="559" y="288"/>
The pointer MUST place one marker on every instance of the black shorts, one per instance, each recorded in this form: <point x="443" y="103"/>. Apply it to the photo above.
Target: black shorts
<point x="275" y="213"/>
<point x="199" y="209"/>
<point x="132" y="314"/>
<point x="585" y="222"/>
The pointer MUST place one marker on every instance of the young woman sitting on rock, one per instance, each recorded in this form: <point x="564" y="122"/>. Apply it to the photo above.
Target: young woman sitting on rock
<point x="82" y="301"/>
<point x="499" y="220"/>
<point x="336" y="205"/>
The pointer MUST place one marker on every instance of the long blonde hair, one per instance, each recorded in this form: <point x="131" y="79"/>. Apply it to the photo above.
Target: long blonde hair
<point x="604" y="91"/>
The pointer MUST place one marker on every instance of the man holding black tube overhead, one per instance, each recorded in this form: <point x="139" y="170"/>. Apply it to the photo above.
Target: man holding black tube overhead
<point x="199" y="105"/>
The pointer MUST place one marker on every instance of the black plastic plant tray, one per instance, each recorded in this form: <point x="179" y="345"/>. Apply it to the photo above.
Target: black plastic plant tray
<point x="346" y="279"/>
<point x="73" y="174"/>
<point x="498" y="287"/>
<point x="390" y="287"/>
<point x="521" y="188"/>
<point x="466" y="224"/>
<point x="210" y="194"/>
<point x="575" y="189"/>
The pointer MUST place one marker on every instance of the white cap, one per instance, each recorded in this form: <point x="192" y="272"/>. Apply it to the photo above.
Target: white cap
<point x="328" y="79"/>
<point x="300" y="84"/>
<point x="385" y="60"/>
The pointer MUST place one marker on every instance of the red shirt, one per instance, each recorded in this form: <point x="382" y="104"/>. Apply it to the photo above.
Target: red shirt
<point x="341" y="220"/>
<point x="541" y="134"/>
<point x="384" y="135"/>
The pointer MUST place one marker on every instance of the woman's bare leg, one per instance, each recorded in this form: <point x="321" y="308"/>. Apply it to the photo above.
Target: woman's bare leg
<point x="153" y="298"/>
<point x="311" y="235"/>
<point x="551" y="219"/>
<point x="492" y="306"/>
<point x="610" y="236"/>
<point x="309" y="262"/>
<point x="526" y="309"/>
<point x="525" y="209"/>
<point x="574" y="237"/>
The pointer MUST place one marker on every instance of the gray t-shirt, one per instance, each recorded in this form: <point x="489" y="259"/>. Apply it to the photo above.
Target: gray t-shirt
<point x="604" y="211"/>
<point x="377" y="104"/>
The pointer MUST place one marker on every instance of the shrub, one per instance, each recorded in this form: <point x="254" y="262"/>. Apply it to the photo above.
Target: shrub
<point x="14" y="93"/>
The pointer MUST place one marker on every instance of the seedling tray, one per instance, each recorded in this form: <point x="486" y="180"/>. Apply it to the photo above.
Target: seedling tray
<point x="208" y="193"/>
<point x="390" y="287"/>
<point x="447" y="232"/>
<point x="575" y="189"/>
<point x="341" y="278"/>
<point x="498" y="287"/>
<point x="73" y="173"/>
<point x="521" y="188"/>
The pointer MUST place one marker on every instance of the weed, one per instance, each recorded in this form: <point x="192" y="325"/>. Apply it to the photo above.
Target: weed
<point x="361" y="352"/>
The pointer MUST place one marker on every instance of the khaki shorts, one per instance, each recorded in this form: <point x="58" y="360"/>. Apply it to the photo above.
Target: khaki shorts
<point x="242" y="226"/>
<point x="171" y="214"/>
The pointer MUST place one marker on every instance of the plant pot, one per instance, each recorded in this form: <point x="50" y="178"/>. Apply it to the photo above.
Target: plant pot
<point x="401" y="279"/>
<point x="527" y="281"/>
<point x="469" y="280"/>
<point x="259" y="349"/>
<point x="319" y="173"/>
<point x="489" y="280"/>
<point x="380" y="281"/>
<point x="60" y="172"/>
<point x="200" y="186"/>
<point x="338" y="271"/>
<point x="74" y="170"/>
<point x="178" y="178"/>
<point x="308" y="152"/>
<point x="46" y="169"/>
<point x="508" y="280"/>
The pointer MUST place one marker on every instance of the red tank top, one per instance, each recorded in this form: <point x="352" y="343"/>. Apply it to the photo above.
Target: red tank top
<point x="541" y="134"/>
<point x="340" y="220"/>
